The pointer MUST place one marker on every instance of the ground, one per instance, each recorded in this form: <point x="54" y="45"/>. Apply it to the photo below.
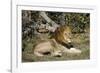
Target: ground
<point x="80" y="41"/>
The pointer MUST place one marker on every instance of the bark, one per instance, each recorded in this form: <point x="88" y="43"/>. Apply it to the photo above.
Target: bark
<point x="62" y="19"/>
<point x="49" y="21"/>
<point x="26" y="17"/>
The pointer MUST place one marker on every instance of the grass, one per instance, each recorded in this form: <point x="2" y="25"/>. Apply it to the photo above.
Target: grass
<point x="80" y="41"/>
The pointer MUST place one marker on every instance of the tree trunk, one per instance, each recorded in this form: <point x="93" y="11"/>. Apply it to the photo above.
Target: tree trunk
<point x="62" y="19"/>
<point x="52" y="25"/>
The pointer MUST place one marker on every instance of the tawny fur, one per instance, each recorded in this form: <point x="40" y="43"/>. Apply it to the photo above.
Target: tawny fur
<point x="61" y="35"/>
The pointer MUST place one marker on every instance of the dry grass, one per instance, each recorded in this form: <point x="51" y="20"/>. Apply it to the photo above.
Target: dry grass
<point x="81" y="41"/>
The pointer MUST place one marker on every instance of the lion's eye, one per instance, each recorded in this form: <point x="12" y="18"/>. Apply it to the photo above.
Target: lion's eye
<point x="66" y="33"/>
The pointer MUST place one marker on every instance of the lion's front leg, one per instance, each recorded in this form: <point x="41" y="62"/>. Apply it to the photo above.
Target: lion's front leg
<point x="72" y="50"/>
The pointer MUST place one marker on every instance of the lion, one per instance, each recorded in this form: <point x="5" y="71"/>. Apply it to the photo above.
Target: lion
<point x="59" y="43"/>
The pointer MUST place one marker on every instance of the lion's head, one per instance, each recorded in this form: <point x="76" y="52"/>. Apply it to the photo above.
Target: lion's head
<point x="63" y="34"/>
